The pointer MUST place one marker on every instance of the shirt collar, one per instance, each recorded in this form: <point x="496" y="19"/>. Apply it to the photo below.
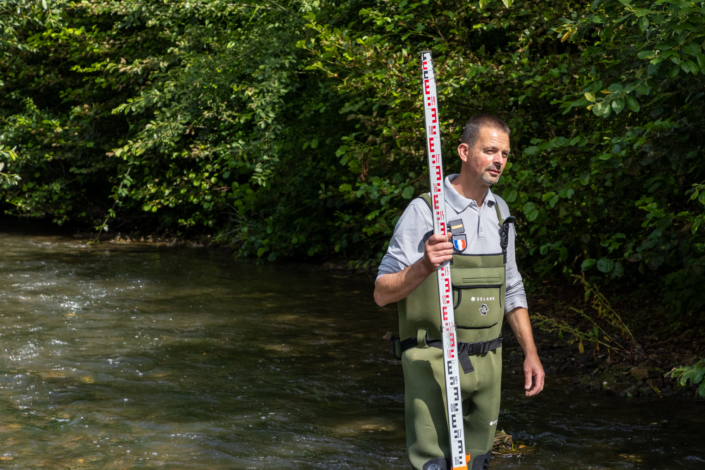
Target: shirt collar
<point x="458" y="202"/>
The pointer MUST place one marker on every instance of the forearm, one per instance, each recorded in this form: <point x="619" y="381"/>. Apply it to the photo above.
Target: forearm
<point x="533" y="370"/>
<point x="521" y="326"/>
<point x="396" y="286"/>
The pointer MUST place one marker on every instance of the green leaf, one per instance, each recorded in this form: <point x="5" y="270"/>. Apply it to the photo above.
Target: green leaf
<point x="602" y="109"/>
<point x="645" y="54"/>
<point x="673" y="73"/>
<point x="690" y="66"/>
<point x="644" y="23"/>
<point x="605" y="265"/>
<point x="531" y="151"/>
<point x="547" y="196"/>
<point x="691" y="48"/>
<point x="510" y="195"/>
<point x="531" y="211"/>
<point x="642" y="88"/>
<point x="577" y="103"/>
<point x="701" y="61"/>
<point x="507" y="3"/>
<point x="618" y="105"/>
<point x="698" y="376"/>
<point x="587" y="264"/>
<point x="618" y="270"/>
<point x="633" y="103"/>
<point x="408" y="192"/>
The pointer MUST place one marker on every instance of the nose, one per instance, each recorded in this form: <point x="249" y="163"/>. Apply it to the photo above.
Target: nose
<point x="497" y="159"/>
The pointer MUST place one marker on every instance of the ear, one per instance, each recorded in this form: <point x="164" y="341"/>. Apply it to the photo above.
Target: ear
<point x="463" y="152"/>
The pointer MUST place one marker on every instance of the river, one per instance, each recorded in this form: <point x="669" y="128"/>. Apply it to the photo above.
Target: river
<point x="121" y="356"/>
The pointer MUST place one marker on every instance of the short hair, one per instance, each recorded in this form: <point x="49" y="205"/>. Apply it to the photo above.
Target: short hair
<point x="471" y="131"/>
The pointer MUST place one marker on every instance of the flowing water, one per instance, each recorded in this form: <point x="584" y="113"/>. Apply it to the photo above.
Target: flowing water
<point x="122" y="356"/>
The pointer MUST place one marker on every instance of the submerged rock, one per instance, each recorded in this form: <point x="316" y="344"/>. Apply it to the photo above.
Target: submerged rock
<point x="505" y="446"/>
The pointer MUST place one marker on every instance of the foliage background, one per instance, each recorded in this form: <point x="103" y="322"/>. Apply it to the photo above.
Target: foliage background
<point x="293" y="128"/>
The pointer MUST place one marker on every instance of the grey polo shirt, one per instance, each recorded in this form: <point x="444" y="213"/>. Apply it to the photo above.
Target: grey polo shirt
<point x="481" y="229"/>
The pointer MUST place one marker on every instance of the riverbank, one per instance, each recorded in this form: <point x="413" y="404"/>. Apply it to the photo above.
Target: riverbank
<point x="666" y="344"/>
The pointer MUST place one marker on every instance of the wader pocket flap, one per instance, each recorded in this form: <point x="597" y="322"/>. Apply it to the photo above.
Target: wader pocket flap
<point x="469" y="277"/>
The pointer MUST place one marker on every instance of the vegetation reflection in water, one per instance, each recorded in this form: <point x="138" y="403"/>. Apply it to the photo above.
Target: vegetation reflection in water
<point x="129" y="356"/>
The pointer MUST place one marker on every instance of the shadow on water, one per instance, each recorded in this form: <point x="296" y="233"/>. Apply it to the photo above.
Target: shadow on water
<point x="120" y="356"/>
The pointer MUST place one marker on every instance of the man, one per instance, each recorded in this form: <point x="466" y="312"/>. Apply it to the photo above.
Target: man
<point x="487" y="286"/>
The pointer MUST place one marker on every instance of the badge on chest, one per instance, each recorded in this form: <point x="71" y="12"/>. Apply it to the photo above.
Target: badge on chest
<point x="460" y="242"/>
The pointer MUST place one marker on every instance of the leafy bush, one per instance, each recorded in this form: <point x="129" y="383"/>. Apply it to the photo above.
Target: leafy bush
<point x="294" y="128"/>
<point x="694" y="374"/>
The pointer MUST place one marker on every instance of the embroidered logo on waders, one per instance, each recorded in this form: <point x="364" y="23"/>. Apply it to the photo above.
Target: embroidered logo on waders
<point x="459" y="242"/>
<point x="484" y="309"/>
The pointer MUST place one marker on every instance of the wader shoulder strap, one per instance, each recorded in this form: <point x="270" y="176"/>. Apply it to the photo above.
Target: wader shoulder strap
<point x="499" y="213"/>
<point x="427" y="198"/>
<point x="503" y="230"/>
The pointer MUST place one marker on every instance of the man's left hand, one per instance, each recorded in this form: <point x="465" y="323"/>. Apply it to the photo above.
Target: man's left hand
<point x="533" y="375"/>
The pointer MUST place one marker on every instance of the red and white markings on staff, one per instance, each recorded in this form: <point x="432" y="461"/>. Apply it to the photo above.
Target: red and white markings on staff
<point x="450" y="348"/>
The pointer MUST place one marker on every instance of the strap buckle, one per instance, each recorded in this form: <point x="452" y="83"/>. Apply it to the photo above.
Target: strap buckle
<point x="396" y="347"/>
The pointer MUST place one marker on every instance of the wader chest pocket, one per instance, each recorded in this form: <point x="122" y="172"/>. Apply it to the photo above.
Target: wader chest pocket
<point x="477" y="296"/>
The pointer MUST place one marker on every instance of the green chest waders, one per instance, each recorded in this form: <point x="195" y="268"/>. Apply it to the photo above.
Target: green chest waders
<point x="479" y="283"/>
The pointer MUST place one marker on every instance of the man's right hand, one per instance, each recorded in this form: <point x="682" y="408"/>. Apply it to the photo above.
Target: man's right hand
<point x="438" y="250"/>
<point x="396" y="286"/>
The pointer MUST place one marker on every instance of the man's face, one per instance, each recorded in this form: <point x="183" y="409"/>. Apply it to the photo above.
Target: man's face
<point x="485" y="160"/>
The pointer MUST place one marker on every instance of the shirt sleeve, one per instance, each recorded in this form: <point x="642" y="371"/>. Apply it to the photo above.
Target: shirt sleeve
<point x="407" y="244"/>
<point x="515" y="295"/>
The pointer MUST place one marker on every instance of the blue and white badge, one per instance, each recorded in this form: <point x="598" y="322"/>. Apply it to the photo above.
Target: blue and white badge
<point x="460" y="242"/>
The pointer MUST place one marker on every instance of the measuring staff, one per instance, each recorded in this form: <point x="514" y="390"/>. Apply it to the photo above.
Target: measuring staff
<point x="486" y="287"/>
